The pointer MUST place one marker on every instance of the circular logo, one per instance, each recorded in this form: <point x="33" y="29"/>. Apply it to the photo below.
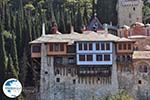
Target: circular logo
<point x="12" y="88"/>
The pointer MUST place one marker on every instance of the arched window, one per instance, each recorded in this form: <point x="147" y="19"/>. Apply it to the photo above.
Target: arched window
<point x="143" y="68"/>
<point x="57" y="71"/>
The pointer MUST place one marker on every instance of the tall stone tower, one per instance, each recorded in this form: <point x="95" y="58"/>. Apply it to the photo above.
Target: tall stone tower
<point x="129" y="12"/>
<point x="47" y="73"/>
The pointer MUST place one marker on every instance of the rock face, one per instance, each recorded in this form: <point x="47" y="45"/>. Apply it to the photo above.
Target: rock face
<point x="66" y="89"/>
<point x="73" y="87"/>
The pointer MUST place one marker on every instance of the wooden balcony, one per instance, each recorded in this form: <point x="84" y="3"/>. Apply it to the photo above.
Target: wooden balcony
<point x="101" y="71"/>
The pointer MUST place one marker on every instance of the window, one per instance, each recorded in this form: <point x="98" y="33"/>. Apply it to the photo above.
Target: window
<point x="124" y="46"/>
<point x="36" y="49"/>
<point x="90" y="46"/>
<point x="97" y="46"/>
<point x="106" y="57"/>
<point x="102" y="46"/>
<point x="80" y="46"/>
<point x="69" y="70"/>
<point x="81" y="57"/>
<point x="129" y="46"/>
<point x="143" y="68"/>
<point x="107" y="46"/>
<point x="57" y="79"/>
<point x="129" y="58"/>
<point x="85" y="46"/>
<point x="57" y="71"/>
<point x="140" y="82"/>
<point x="71" y="60"/>
<point x="56" y="47"/>
<point x="120" y="46"/>
<point x="50" y="47"/>
<point x="46" y="72"/>
<point x="74" y="81"/>
<point x="58" y="60"/>
<point x="89" y="57"/>
<point x="130" y="15"/>
<point x="61" y="47"/>
<point x="99" y="57"/>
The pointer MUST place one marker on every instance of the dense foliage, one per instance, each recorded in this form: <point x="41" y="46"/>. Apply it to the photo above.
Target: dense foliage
<point x="120" y="95"/>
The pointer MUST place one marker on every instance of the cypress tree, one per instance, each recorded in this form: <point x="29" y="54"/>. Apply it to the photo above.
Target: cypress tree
<point x="3" y="62"/>
<point x="14" y="55"/>
<point x="79" y="20"/>
<point x="11" y="71"/>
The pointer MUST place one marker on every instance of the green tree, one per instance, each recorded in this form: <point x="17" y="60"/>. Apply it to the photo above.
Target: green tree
<point x="3" y="62"/>
<point x="14" y="55"/>
<point x="11" y="72"/>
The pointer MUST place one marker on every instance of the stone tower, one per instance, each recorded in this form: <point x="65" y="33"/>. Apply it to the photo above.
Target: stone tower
<point x="129" y="12"/>
<point x="47" y="73"/>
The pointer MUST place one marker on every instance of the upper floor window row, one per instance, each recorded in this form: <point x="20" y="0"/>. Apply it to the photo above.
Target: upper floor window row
<point x="85" y="46"/>
<point x="124" y="46"/>
<point x="99" y="57"/>
<point x="102" y="46"/>
<point x="89" y="46"/>
<point x="56" y="47"/>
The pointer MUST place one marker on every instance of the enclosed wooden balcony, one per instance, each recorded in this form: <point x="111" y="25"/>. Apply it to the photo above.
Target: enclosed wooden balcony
<point x="57" y="49"/>
<point x="124" y="47"/>
<point x="101" y="71"/>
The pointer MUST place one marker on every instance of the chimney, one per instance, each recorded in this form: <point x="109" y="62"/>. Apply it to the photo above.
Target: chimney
<point x="54" y="29"/>
<point x="43" y="29"/>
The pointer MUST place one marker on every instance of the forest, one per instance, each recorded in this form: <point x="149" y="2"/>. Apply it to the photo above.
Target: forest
<point x="21" y="22"/>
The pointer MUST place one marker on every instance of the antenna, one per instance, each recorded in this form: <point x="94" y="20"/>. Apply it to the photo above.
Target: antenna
<point x="106" y="28"/>
<point x="43" y="29"/>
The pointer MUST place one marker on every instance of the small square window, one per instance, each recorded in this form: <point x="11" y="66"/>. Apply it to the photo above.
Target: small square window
<point x="85" y="46"/>
<point x="89" y="57"/>
<point x="97" y="46"/>
<point x="139" y="82"/>
<point x="129" y="46"/>
<point x="81" y="57"/>
<point x="71" y="60"/>
<point x="56" y="47"/>
<point x="57" y="79"/>
<point x="99" y="58"/>
<point x="107" y="46"/>
<point x="90" y="46"/>
<point x="36" y="49"/>
<point x="50" y="47"/>
<point x="124" y="46"/>
<point x="80" y="46"/>
<point x="61" y="47"/>
<point x="120" y="46"/>
<point x="46" y="72"/>
<point x="58" y="60"/>
<point x="74" y="81"/>
<point x="106" y="57"/>
<point x="102" y="46"/>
